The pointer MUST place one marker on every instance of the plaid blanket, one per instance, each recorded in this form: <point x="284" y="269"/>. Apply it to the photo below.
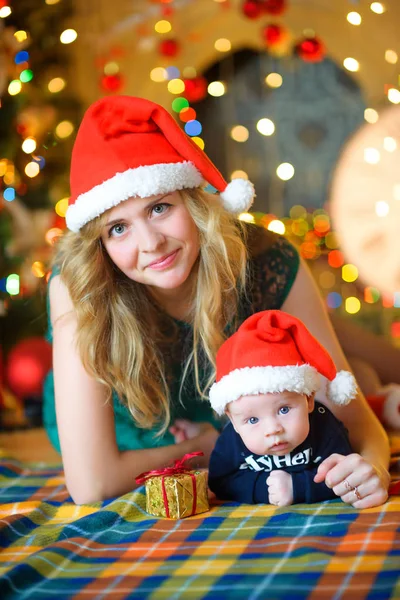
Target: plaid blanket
<point x="51" y="548"/>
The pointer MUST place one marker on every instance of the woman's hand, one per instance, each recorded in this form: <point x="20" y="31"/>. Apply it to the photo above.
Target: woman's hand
<point x="182" y="430"/>
<point x="355" y="480"/>
<point x="203" y="434"/>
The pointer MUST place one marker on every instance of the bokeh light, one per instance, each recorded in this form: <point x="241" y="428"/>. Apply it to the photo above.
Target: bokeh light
<point x="32" y="169"/>
<point x="247" y="217"/>
<point x="285" y="171"/>
<point x="372" y="156"/>
<point x="352" y="305"/>
<point x="327" y="280"/>
<point x="354" y="18"/>
<point x="351" y="64"/>
<point x="56" y="85"/>
<point x="12" y="284"/>
<point x="223" y="45"/>
<point x="179" y="104"/>
<point x="371" y="115"/>
<point x="162" y="26"/>
<point x="26" y="75"/>
<point x="276" y="226"/>
<point x="382" y="208"/>
<point x="394" y="95"/>
<point x="38" y="269"/>
<point x="14" y="87"/>
<point x="378" y="8"/>
<point x="334" y="300"/>
<point x="64" y="129"/>
<point x="391" y="57"/>
<point x="371" y="295"/>
<point x="193" y="128"/>
<point x="238" y="174"/>
<point x="274" y="80"/>
<point x="389" y="144"/>
<point x="239" y="133"/>
<point x="5" y="11"/>
<point x="68" y="36"/>
<point x="216" y="88"/>
<point x="335" y="259"/>
<point x="176" y="86"/>
<point x="158" y="74"/>
<point x="29" y="145"/>
<point x="265" y="126"/>
<point x="349" y="273"/>
<point x="199" y="141"/>
<point x="61" y="207"/>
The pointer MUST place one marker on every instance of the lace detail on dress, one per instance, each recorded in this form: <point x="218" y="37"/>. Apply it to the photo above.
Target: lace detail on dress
<point x="273" y="273"/>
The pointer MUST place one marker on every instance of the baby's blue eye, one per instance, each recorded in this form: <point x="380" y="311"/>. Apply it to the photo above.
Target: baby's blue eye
<point x="253" y="420"/>
<point x="284" y="410"/>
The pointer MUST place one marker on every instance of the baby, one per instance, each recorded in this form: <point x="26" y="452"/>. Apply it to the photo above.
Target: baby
<point x="267" y="376"/>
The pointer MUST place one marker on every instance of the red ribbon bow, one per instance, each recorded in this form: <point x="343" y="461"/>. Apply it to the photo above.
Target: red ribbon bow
<point x="178" y="468"/>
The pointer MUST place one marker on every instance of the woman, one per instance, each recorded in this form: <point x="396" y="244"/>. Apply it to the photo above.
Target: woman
<point x="153" y="276"/>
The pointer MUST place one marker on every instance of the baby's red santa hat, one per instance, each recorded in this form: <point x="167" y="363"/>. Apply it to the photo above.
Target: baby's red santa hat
<point x="128" y="147"/>
<point x="274" y="352"/>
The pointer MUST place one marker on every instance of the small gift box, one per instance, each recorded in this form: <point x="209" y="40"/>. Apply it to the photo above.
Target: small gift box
<point x="175" y="492"/>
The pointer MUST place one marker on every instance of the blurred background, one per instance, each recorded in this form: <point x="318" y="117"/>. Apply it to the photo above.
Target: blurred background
<point x="271" y="89"/>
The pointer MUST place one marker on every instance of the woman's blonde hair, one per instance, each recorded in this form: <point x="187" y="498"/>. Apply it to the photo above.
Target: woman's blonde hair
<point x="122" y="334"/>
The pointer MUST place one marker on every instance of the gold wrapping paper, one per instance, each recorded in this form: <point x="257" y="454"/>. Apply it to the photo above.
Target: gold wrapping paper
<point x="179" y="490"/>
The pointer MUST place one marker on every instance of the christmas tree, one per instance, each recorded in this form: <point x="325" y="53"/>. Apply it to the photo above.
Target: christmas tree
<point x="38" y="118"/>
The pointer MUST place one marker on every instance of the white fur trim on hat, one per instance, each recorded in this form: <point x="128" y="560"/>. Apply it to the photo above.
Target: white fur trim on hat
<point x="143" y="181"/>
<point x="238" y="196"/>
<point x="342" y="389"/>
<point x="303" y="379"/>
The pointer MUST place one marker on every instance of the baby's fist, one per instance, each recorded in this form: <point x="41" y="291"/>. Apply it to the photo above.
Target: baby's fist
<point x="280" y="488"/>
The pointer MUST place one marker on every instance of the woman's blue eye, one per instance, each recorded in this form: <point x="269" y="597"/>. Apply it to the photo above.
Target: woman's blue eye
<point x="253" y="420"/>
<point x="163" y="206"/>
<point x="116" y="230"/>
<point x="284" y="410"/>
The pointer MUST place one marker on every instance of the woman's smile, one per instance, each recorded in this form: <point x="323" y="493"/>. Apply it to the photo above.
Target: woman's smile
<point x="164" y="262"/>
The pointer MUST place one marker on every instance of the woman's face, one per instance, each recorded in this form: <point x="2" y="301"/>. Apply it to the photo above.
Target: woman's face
<point x="154" y="241"/>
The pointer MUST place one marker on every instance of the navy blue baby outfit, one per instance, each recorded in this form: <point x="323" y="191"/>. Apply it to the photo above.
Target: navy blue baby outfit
<point x="237" y="474"/>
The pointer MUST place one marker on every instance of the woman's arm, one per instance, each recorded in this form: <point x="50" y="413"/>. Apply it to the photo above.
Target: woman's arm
<point x="94" y="467"/>
<point x="367" y="436"/>
<point x="373" y="349"/>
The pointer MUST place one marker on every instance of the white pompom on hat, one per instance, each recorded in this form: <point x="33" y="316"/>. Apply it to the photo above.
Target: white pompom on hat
<point x="271" y="352"/>
<point x="128" y="147"/>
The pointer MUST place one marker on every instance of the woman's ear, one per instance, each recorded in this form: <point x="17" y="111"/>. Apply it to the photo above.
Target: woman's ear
<point x="310" y="402"/>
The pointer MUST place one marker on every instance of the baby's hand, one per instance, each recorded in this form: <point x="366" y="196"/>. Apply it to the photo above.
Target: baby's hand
<point x="280" y="488"/>
<point x="355" y="480"/>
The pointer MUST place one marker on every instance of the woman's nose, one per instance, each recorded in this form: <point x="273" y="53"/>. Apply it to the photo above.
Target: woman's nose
<point x="149" y="239"/>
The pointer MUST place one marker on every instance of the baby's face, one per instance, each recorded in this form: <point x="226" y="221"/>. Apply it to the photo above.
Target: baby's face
<point x="271" y="423"/>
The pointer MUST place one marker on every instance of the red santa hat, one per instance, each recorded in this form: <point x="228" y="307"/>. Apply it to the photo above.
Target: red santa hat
<point x="274" y="352"/>
<point x="128" y="147"/>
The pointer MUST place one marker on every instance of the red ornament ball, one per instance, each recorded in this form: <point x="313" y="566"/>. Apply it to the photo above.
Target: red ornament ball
<point x="252" y="9"/>
<point x="169" y="47"/>
<point x="111" y="83"/>
<point x="274" y="7"/>
<point x="195" y="89"/>
<point x="27" y="366"/>
<point x="311" y="50"/>
<point x="272" y="34"/>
